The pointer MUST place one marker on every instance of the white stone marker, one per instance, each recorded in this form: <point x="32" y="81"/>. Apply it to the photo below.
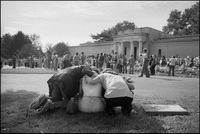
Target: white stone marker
<point x="156" y="109"/>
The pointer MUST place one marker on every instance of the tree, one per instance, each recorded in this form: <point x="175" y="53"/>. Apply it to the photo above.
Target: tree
<point x="60" y="48"/>
<point x="6" y="41"/>
<point x="49" y="47"/>
<point x="107" y="35"/>
<point x="35" y="40"/>
<point x="21" y="44"/>
<point x="30" y="48"/>
<point x="18" y="41"/>
<point x="185" y="23"/>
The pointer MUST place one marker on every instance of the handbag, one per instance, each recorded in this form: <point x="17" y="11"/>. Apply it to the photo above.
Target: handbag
<point x="72" y="106"/>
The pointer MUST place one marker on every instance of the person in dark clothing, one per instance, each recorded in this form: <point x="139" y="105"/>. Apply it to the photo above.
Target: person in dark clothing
<point x="14" y="58"/>
<point x="152" y="64"/>
<point x="101" y="61"/>
<point x="66" y="60"/>
<point x="63" y="85"/>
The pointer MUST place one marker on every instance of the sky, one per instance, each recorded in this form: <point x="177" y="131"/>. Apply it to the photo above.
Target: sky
<point x="73" y="22"/>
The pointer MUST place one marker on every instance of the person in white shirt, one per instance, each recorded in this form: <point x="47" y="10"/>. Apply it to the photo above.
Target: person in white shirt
<point x="117" y="92"/>
<point x="172" y="64"/>
<point x="145" y="63"/>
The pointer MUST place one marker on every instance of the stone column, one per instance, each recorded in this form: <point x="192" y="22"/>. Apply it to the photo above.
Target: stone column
<point x="140" y="47"/>
<point x="122" y="48"/>
<point x="132" y="48"/>
<point x="115" y="46"/>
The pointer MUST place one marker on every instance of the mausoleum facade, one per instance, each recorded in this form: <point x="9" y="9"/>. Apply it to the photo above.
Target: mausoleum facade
<point x="132" y="42"/>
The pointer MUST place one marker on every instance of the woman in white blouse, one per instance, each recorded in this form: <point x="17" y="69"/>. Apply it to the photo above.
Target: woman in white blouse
<point x="92" y="100"/>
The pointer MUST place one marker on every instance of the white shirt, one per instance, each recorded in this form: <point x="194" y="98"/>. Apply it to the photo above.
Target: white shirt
<point x="172" y="61"/>
<point x="115" y="86"/>
<point x="144" y="56"/>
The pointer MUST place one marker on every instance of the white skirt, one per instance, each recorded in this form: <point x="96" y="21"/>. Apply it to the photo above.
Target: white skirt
<point x="91" y="104"/>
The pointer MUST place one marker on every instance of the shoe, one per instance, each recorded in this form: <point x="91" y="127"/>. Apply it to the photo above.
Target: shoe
<point x="45" y="108"/>
<point x="38" y="101"/>
<point x="148" y="76"/>
<point x="140" y="76"/>
<point x="127" y="111"/>
<point x="111" y="112"/>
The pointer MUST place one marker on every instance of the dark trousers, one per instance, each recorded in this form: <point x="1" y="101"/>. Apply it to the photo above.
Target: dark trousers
<point x="14" y="63"/>
<point x="124" y="102"/>
<point x="124" y="68"/>
<point x="171" y="68"/>
<point x="55" y="92"/>
<point x="145" y="68"/>
<point x="152" y="69"/>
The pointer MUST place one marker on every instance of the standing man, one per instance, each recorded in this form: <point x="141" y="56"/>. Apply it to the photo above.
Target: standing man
<point x="131" y="63"/>
<point x="101" y="61"/>
<point x="76" y="59"/>
<point x="116" y="61"/>
<point x="172" y="64"/>
<point x="14" y="59"/>
<point x="117" y="92"/>
<point x="152" y="64"/>
<point x="124" y="68"/>
<point x="66" y="60"/>
<point x="49" y="59"/>
<point x="145" y="63"/>
<point x="83" y="58"/>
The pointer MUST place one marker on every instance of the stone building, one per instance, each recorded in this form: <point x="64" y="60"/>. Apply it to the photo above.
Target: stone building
<point x="133" y="41"/>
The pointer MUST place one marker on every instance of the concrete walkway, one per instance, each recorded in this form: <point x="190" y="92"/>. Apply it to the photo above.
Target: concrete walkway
<point x="162" y="86"/>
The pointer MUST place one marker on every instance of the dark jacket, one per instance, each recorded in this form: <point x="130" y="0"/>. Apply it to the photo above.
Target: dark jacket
<point x="68" y="80"/>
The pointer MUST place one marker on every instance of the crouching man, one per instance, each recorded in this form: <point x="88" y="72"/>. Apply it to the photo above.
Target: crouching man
<point x="117" y="92"/>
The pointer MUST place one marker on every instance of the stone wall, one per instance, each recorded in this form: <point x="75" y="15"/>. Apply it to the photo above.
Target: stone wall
<point x="94" y="49"/>
<point x="183" y="48"/>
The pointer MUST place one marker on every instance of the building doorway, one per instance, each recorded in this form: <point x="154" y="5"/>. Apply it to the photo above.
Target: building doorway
<point x="159" y="52"/>
<point x="135" y="52"/>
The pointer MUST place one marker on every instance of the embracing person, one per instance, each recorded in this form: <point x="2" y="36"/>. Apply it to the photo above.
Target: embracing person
<point x="117" y="92"/>
<point x="63" y="86"/>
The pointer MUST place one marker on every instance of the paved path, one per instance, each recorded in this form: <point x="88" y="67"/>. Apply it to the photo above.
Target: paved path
<point x="163" y="86"/>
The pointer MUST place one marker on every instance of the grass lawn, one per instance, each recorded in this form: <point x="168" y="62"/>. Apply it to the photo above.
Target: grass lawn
<point x="17" y="118"/>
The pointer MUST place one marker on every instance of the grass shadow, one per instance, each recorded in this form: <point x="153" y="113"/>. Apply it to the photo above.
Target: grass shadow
<point x="17" y="118"/>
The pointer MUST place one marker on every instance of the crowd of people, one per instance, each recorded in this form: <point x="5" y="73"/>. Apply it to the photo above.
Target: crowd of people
<point x="118" y="62"/>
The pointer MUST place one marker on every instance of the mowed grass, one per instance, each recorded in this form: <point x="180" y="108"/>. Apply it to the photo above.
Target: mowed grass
<point x="16" y="117"/>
